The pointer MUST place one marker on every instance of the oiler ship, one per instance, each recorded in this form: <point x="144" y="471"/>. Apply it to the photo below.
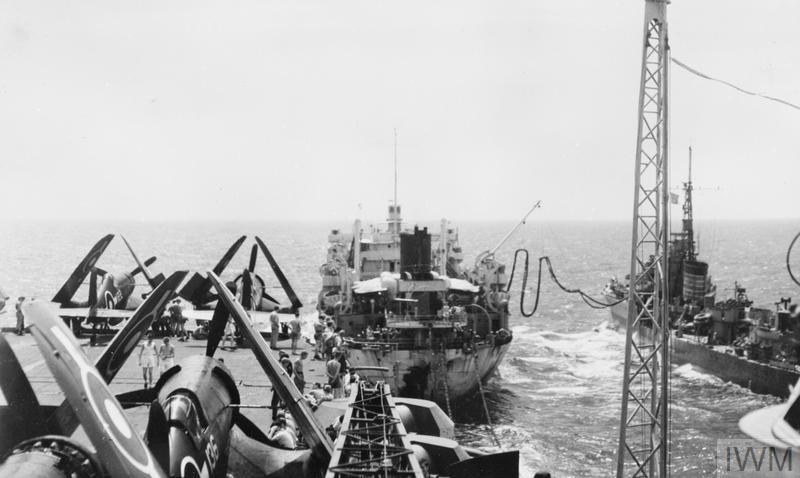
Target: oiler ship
<point x="754" y="347"/>
<point x="411" y="314"/>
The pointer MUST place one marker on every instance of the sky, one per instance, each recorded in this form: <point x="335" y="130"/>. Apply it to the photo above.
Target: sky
<point x="252" y="110"/>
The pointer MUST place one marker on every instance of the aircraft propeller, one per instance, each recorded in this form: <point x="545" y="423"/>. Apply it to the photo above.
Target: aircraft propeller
<point x="314" y="433"/>
<point x="197" y="289"/>
<point x="122" y="345"/>
<point x="142" y="266"/>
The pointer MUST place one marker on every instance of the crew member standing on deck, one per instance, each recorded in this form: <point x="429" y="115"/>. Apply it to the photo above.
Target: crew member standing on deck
<point x="147" y="360"/>
<point x="166" y="356"/>
<point x="20" y="317"/>
<point x="177" y="319"/>
<point x="319" y="339"/>
<point x="294" y="331"/>
<point x="332" y="370"/>
<point x="299" y="377"/>
<point x="275" y="325"/>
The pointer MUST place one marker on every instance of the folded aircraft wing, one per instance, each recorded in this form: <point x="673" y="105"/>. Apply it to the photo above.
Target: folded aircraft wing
<point x="122" y="450"/>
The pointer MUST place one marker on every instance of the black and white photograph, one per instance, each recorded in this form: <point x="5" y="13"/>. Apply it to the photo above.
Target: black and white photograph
<point x="515" y="239"/>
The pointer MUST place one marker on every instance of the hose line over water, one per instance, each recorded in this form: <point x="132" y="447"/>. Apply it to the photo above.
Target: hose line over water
<point x="589" y="300"/>
<point x="788" y="256"/>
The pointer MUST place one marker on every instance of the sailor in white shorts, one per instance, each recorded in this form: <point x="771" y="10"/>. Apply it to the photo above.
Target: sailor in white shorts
<point x="166" y="356"/>
<point x="147" y="360"/>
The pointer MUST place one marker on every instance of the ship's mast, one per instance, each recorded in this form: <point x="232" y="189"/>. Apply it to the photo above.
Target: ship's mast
<point x="394" y="220"/>
<point x="643" y="436"/>
<point x="688" y="223"/>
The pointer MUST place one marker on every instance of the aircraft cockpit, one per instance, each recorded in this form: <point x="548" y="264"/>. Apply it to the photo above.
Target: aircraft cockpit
<point x="181" y="411"/>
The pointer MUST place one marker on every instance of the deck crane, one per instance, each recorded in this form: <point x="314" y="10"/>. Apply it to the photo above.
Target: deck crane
<point x="644" y="420"/>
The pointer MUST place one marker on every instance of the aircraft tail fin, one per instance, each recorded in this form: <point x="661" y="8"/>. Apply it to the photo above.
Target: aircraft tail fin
<point x="70" y="287"/>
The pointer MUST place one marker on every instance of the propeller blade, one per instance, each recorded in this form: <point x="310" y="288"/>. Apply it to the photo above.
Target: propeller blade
<point x="296" y="304"/>
<point x="313" y="432"/>
<point x="250" y="429"/>
<point x="70" y="287"/>
<point x="247" y="290"/>
<point x="93" y="288"/>
<point x="226" y="259"/>
<point x="198" y="287"/>
<point x="136" y="398"/>
<point x="123" y="344"/>
<point x="118" y="445"/>
<point x="148" y="262"/>
<point x="157" y="434"/>
<point x="21" y="417"/>
<point x="216" y="328"/>
<point x="142" y="266"/>
<point x="253" y="258"/>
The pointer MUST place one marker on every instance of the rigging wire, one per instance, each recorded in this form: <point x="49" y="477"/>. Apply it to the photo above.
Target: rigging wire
<point x="726" y="83"/>
<point x="788" y="256"/>
<point x="589" y="300"/>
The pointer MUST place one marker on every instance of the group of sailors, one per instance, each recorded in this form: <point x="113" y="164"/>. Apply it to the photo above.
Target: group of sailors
<point x="153" y="356"/>
<point x="172" y="323"/>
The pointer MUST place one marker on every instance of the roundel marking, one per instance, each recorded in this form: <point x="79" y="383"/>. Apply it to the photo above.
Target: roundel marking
<point x="131" y="448"/>
<point x="116" y="418"/>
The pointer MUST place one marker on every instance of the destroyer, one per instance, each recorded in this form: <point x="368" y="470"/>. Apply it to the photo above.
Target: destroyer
<point x="753" y="347"/>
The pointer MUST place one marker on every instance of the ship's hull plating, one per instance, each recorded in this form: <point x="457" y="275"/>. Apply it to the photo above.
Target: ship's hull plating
<point x="418" y="373"/>
<point x="721" y="362"/>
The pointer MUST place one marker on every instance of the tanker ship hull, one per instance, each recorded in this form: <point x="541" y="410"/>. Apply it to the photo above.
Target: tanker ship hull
<point x="421" y="373"/>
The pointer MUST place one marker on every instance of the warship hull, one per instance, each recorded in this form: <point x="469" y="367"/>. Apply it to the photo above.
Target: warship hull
<point x="721" y="361"/>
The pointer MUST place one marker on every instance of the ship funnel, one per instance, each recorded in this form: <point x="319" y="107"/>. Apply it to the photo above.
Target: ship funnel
<point x="415" y="253"/>
<point x="694" y="281"/>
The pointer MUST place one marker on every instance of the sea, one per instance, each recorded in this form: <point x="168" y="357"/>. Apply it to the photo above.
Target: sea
<point x="556" y="397"/>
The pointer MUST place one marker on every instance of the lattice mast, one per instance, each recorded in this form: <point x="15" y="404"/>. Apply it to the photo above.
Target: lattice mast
<point x="644" y="423"/>
<point x="688" y="221"/>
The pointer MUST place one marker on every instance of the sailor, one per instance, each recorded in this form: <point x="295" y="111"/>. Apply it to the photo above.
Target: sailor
<point x="177" y="320"/>
<point x="332" y="370"/>
<point x="319" y="341"/>
<point x="147" y="360"/>
<point x="316" y="393"/>
<point x="20" y="317"/>
<point x="299" y="377"/>
<point x="275" y="324"/>
<point x="229" y="335"/>
<point x="327" y="394"/>
<point x="281" y="436"/>
<point x="294" y="331"/>
<point x="166" y="356"/>
<point x="275" y="404"/>
<point x="350" y="378"/>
